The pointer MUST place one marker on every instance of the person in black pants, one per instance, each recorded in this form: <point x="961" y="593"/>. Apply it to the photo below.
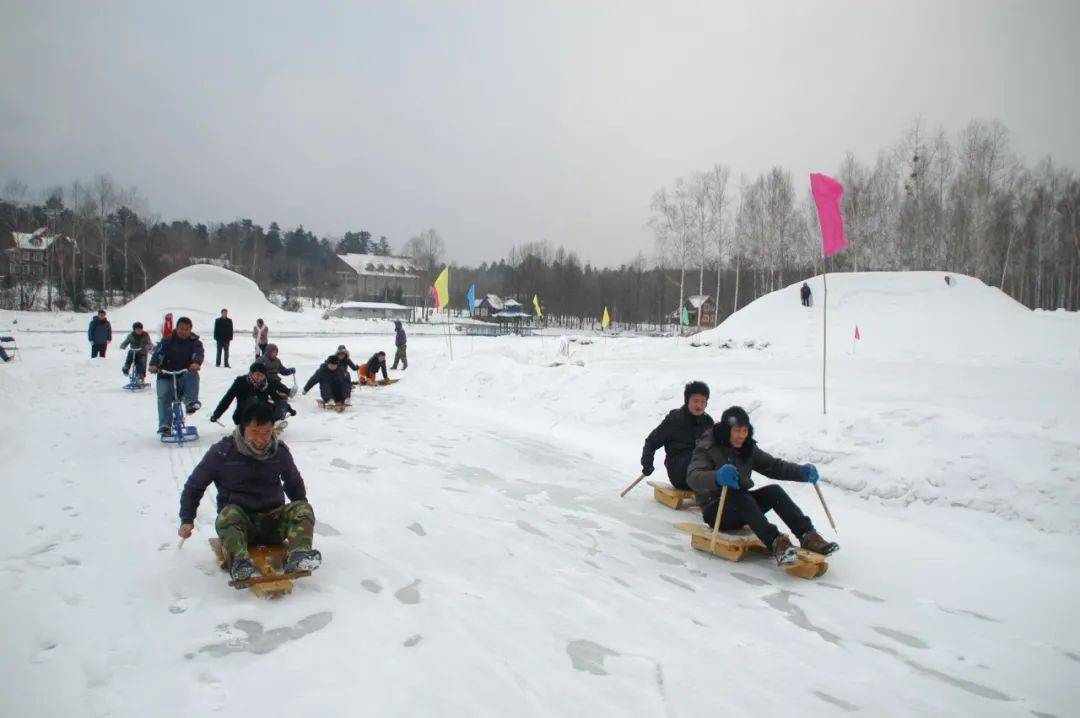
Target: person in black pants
<point x="223" y="334"/>
<point x="726" y="457"/>
<point x="678" y="433"/>
<point x="804" y="293"/>
<point x="100" y="334"/>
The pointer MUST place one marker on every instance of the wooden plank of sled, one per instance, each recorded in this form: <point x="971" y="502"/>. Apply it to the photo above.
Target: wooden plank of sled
<point x="734" y="545"/>
<point x="670" y="496"/>
<point x="269" y="560"/>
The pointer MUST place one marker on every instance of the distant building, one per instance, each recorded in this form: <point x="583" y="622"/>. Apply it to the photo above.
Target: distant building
<point x="493" y="307"/>
<point x="369" y="310"/>
<point x="377" y="278"/>
<point x="30" y="257"/>
<point x="706" y="306"/>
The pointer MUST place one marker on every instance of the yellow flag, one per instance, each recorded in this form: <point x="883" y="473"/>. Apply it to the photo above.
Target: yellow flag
<point x="605" y="320"/>
<point x="536" y="306"/>
<point x="441" y="291"/>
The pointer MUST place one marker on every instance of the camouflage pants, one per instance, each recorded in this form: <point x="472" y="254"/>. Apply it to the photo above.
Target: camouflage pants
<point x="294" y="522"/>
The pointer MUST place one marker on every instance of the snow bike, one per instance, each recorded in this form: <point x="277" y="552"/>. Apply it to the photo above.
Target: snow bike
<point x="180" y="431"/>
<point x="136" y="382"/>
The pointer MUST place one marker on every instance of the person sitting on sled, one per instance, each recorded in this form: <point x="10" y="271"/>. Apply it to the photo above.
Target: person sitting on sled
<point x="727" y="456"/>
<point x="141" y="345"/>
<point x="374" y="365"/>
<point x="331" y="386"/>
<point x="678" y="433"/>
<point x="255" y="386"/>
<point x="274" y="368"/>
<point x="253" y="472"/>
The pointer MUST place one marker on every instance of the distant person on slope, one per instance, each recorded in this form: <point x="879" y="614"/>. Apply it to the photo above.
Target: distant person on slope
<point x="181" y="350"/>
<point x="141" y="346"/>
<point x="331" y="386"/>
<point x="253" y="472"/>
<point x="167" y="326"/>
<point x="223" y="334"/>
<point x="374" y="365"/>
<point x="399" y="342"/>
<point x="804" y="292"/>
<point x="727" y="456"/>
<point x="252" y="388"/>
<point x="100" y="334"/>
<point x="274" y="368"/>
<point x="261" y="333"/>
<point x="678" y="433"/>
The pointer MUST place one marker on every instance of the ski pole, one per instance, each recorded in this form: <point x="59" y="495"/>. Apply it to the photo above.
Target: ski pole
<point x="716" y="524"/>
<point x="826" y="507"/>
<point x="635" y="483"/>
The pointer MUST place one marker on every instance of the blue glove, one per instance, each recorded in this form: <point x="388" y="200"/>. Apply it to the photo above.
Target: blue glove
<point x="809" y="473"/>
<point x="727" y="475"/>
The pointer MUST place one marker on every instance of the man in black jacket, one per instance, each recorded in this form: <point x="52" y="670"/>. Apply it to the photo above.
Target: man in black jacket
<point x="179" y="351"/>
<point x="678" y="433"/>
<point x="331" y="386"/>
<point x="254" y="387"/>
<point x="253" y="472"/>
<point x="728" y="456"/>
<point x="223" y="334"/>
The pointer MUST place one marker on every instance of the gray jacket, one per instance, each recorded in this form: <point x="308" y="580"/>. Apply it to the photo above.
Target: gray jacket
<point x="710" y="455"/>
<point x="138" y="341"/>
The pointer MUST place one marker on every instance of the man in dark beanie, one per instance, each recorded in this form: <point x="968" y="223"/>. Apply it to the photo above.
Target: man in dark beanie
<point x="727" y="456"/>
<point x="252" y="388"/>
<point x="678" y="433"/>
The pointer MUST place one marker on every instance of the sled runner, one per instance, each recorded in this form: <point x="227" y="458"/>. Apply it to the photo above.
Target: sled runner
<point x="332" y="405"/>
<point x="673" y="498"/>
<point x="380" y="382"/>
<point x="734" y="545"/>
<point x="268" y="559"/>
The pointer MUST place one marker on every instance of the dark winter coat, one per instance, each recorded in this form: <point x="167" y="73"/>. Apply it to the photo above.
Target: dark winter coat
<point x="678" y="434"/>
<point x="253" y="485"/>
<point x="174" y="354"/>
<point x="99" y="331"/>
<point x="223" y="330"/>
<point x="710" y="455"/>
<point x="804" y="292"/>
<point x="375" y="365"/>
<point x="346" y="362"/>
<point x="399" y="335"/>
<point x="138" y="341"/>
<point x="274" y="367"/>
<point x="323" y="373"/>
<point x="244" y="390"/>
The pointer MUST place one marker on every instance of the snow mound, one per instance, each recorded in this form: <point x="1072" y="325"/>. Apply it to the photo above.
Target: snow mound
<point x="902" y="315"/>
<point x="200" y="292"/>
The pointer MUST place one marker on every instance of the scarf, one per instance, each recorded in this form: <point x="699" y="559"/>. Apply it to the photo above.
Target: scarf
<point x="248" y="450"/>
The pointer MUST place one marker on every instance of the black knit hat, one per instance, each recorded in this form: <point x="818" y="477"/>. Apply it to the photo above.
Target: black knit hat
<point x="733" y="416"/>
<point x="695" y="387"/>
<point x="257" y="366"/>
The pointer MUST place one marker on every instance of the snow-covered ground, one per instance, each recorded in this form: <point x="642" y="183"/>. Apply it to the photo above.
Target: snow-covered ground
<point x="478" y="559"/>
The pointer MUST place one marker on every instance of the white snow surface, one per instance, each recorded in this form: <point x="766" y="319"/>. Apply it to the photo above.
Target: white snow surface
<point x="479" y="561"/>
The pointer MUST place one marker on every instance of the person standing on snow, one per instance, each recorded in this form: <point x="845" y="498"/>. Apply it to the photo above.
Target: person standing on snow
<point x="253" y="472"/>
<point x="100" y="334"/>
<point x="727" y="456"/>
<point x="399" y="342"/>
<point x="141" y="346"/>
<point x="181" y="350"/>
<point x="167" y="326"/>
<point x="223" y="334"/>
<point x="678" y="433"/>
<point x="804" y="292"/>
<point x="261" y="333"/>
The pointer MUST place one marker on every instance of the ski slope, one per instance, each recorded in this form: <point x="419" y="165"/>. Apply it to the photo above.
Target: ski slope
<point x="479" y="561"/>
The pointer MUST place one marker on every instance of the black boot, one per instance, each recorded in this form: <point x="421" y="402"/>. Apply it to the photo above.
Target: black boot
<point x="812" y="541"/>
<point x="302" y="560"/>
<point x="242" y="568"/>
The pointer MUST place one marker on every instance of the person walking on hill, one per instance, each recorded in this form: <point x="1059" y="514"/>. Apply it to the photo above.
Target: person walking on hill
<point x="399" y="342"/>
<point x="223" y="334"/>
<point x="100" y="334"/>
<point x="678" y="434"/>
<point x="805" y="294"/>
<point x="727" y="456"/>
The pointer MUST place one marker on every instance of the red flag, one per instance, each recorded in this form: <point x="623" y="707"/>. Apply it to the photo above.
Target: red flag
<point x="827" y="193"/>
<point x="857" y="332"/>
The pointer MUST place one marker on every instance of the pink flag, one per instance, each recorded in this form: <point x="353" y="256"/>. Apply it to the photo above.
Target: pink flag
<point x="827" y="193"/>
<point x="857" y="332"/>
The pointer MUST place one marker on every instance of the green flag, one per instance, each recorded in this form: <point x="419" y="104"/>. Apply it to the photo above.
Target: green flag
<point x="684" y="317"/>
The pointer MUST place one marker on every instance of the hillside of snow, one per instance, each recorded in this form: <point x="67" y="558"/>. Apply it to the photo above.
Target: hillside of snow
<point x="479" y="560"/>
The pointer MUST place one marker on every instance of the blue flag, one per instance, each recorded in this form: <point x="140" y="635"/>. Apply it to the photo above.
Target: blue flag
<point x="470" y="298"/>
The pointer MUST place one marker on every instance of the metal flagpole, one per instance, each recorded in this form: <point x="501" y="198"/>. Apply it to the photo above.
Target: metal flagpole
<point x="824" y="327"/>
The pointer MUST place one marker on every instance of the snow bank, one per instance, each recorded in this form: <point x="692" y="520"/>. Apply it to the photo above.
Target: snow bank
<point x="903" y="315"/>
<point x="200" y="292"/>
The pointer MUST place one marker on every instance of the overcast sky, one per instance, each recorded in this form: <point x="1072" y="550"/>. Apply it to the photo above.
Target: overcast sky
<point x="500" y="123"/>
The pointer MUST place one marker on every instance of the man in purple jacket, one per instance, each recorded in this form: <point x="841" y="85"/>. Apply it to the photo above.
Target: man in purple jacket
<point x="253" y="473"/>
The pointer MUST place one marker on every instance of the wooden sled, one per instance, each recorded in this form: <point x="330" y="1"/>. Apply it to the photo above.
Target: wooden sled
<point x="380" y="382"/>
<point x="268" y="559"/>
<point x="331" y="406"/>
<point x="735" y="545"/>
<point x="674" y="498"/>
